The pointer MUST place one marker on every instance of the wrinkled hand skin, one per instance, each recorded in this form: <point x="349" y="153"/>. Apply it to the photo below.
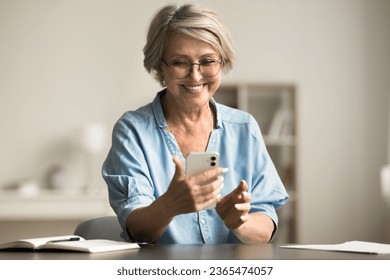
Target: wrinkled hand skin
<point x="234" y="207"/>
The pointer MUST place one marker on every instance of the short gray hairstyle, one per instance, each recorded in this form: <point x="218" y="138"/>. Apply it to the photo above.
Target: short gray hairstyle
<point x="194" y="21"/>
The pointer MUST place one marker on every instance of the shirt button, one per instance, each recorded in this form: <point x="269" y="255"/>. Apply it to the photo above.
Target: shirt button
<point x="202" y="221"/>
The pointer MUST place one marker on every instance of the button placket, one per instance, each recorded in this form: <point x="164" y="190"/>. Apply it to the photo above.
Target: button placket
<point x="203" y="224"/>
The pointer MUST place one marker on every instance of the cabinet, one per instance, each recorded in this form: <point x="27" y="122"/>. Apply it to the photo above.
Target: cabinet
<point x="274" y="108"/>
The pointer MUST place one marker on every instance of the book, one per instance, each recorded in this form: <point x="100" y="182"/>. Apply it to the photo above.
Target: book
<point x="350" y="246"/>
<point x="281" y="124"/>
<point x="68" y="243"/>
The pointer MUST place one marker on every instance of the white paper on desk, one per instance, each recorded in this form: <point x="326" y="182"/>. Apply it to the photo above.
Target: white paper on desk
<point x="350" y="246"/>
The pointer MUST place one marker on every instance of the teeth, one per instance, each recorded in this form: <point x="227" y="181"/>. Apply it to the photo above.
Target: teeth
<point x="194" y="88"/>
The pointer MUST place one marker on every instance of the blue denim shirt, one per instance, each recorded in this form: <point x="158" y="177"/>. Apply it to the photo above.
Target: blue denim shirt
<point x="139" y="169"/>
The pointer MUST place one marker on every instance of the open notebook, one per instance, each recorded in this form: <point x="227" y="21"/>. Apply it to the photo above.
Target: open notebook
<point x="350" y="246"/>
<point x="68" y="243"/>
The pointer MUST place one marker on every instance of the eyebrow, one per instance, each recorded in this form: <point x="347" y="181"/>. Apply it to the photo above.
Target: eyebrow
<point x="213" y="55"/>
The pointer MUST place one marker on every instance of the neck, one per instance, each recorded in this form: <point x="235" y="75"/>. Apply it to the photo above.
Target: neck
<point x="176" y="114"/>
<point x="188" y="120"/>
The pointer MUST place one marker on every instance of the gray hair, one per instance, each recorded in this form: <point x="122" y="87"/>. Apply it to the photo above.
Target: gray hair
<point x="194" y="21"/>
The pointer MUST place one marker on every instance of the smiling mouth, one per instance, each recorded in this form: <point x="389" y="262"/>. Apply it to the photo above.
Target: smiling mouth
<point x="194" y="88"/>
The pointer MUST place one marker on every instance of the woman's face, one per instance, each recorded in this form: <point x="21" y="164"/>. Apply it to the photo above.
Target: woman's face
<point x="193" y="90"/>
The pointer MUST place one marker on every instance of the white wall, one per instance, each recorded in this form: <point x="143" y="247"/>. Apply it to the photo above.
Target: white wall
<point x="67" y="63"/>
<point x="63" y="65"/>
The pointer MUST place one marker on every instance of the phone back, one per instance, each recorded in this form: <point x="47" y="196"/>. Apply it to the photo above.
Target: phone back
<point x="198" y="162"/>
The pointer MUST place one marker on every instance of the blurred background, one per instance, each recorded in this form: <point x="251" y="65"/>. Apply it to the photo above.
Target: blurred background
<point x="69" y="69"/>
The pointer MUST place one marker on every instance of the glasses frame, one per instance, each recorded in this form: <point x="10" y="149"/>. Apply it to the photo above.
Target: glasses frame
<point x="190" y="67"/>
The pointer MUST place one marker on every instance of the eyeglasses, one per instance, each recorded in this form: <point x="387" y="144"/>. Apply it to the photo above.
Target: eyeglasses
<point x="209" y="67"/>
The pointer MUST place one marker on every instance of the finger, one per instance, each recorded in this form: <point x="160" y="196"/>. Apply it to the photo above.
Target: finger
<point x="245" y="197"/>
<point x="243" y="185"/>
<point x="244" y="218"/>
<point x="179" y="171"/>
<point x="211" y="190"/>
<point x="208" y="175"/>
<point x="243" y="206"/>
<point x="211" y="199"/>
<point x="219" y="198"/>
<point x="238" y="194"/>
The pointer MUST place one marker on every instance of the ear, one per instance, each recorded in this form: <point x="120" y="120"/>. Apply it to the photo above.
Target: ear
<point x="159" y="75"/>
<point x="160" y="72"/>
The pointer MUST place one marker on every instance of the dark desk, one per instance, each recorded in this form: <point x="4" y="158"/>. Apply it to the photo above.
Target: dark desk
<point x="197" y="252"/>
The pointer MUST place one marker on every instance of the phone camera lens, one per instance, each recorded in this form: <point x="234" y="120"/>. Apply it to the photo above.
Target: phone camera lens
<point x="212" y="163"/>
<point x="213" y="158"/>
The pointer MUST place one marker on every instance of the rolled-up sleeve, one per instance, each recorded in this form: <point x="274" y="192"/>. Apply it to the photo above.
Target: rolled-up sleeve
<point x="125" y="173"/>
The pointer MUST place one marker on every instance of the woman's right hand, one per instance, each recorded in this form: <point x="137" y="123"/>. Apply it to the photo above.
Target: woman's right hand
<point x="193" y="194"/>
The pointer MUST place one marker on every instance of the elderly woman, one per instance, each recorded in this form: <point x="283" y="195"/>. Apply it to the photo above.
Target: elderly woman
<point x="187" y="48"/>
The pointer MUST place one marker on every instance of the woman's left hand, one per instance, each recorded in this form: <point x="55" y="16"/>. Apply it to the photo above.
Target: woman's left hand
<point x="234" y="207"/>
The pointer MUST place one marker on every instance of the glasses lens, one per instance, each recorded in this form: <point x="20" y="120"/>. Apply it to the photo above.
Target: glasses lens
<point x="179" y="68"/>
<point x="210" y="67"/>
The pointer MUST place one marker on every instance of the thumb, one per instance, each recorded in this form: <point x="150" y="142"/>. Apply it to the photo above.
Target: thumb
<point x="179" y="172"/>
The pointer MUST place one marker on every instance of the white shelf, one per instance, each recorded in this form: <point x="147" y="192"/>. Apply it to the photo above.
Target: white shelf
<point x="53" y="206"/>
<point x="279" y="141"/>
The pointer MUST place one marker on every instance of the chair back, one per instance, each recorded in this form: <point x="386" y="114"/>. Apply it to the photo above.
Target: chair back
<point x="100" y="228"/>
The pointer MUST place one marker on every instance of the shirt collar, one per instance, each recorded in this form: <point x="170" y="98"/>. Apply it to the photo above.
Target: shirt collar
<point x="158" y="111"/>
<point x="218" y="114"/>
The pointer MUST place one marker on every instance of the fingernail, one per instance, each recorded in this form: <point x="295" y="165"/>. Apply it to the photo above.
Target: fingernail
<point x="225" y="170"/>
<point x="244" y="218"/>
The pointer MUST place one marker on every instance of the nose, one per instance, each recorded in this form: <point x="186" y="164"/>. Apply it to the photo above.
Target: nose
<point x="195" y="71"/>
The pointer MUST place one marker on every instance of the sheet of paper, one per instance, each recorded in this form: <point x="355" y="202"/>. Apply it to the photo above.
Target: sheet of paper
<point x="350" y="246"/>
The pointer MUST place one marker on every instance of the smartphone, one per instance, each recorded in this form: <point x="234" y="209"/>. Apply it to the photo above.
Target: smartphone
<point x="198" y="162"/>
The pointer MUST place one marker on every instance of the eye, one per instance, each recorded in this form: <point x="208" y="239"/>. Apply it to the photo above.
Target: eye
<point x="180" y="63"/>
<point x="208" y="62"/>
